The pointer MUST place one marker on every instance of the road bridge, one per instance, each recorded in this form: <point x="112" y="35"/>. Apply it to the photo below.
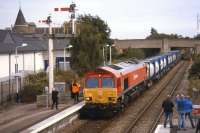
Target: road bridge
<point x="163" y="44"/>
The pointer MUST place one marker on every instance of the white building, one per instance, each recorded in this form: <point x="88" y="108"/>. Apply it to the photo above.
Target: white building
<point x="33" y="57"/>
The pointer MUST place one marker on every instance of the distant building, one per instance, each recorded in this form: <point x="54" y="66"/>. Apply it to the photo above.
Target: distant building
<point x="34" y="57"/>
<point x="21" y="26"/>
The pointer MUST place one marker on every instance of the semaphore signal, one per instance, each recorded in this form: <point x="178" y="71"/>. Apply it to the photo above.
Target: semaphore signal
<point x="71" y="9"/>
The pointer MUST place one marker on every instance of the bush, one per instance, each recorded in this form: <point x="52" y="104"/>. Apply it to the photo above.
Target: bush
<point x="34" y="84"/>
<point x="194" y="71"/>
<point x="30" y="92"/>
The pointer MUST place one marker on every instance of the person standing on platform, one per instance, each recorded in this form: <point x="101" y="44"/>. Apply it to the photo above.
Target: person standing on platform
<point x="54" y="99"/>
<point x="181" y="111"/>
<point x="188" y="107"/>
<point x="75" y="91"/>
<point x="198" y="126"/>
<point x="167" y="106"/>
<point x="179" y="107"/>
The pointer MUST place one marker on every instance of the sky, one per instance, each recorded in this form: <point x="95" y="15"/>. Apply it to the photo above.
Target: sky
<point x="127" y="19"/>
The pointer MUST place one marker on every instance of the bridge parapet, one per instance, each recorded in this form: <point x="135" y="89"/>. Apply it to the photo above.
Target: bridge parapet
<point x="165" y="44"/>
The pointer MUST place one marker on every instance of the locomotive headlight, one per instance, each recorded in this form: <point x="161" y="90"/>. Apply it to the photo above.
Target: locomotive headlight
<point x="88" y="98"/>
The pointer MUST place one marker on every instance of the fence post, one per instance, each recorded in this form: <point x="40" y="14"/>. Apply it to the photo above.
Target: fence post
<point x="9" y="96"/>
<point x="9" y="86"/>
<point x="1" y="93"/>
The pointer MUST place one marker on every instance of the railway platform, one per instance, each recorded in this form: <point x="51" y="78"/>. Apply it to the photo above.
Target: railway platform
<point x="21" y="116"/>
<point x="160" y="128"/>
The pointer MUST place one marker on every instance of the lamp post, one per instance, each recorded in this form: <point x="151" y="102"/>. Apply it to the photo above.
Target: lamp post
<point x="110" y="62"/>
<point x="16" y="68"/>
<point x="68" y="47"/>
<point x="104" y="61"/>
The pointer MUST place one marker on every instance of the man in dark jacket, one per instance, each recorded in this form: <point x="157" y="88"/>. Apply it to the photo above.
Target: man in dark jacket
<point x="54" y="99"/>
<point x="167" y="106"/>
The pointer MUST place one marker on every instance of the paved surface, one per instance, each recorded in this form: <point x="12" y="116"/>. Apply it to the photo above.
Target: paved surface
<point x="54" y="119"/>
<point x="21" y="116"/>
<point x="160" y="128"/>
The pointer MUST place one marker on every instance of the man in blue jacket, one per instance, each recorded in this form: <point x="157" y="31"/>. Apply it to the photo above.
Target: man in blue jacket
<point x="181" y="111"/>
<point x="188" y="110"/>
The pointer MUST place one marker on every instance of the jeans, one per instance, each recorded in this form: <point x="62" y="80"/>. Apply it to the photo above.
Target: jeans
<point x="76" y="97"/>
<point x="168" y="115"/>
<point x="181" y="120"/>
<point x="189" y="114"/>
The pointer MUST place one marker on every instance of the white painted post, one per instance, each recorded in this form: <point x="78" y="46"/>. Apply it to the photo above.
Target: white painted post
<point x="64" y="59"/>
<point x="51" y="60"/>
<point x="110" y="55"/>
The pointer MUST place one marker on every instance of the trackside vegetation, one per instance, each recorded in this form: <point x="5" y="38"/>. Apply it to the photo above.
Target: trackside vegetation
<point x="34" y="83"/>
<point x="194" y="78"/>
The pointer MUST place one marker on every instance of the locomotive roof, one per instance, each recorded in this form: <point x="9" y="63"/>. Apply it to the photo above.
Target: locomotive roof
<point x="123" y="67"/>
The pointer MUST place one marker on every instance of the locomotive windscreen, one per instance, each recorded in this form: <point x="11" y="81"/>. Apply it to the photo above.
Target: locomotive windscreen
<point x="92" y="82"/>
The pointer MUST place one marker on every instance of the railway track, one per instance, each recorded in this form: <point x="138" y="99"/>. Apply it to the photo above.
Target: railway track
<point x="148" y="118"/>
<point x="119" y="123"/>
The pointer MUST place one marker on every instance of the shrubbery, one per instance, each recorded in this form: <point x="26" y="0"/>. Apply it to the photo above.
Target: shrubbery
<point x="194" y="71"/>
<point x="194" y="76"/>
<point x="34" y="84"/>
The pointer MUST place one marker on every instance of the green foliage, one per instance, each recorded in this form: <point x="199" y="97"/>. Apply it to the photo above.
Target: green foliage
<point x="93" y="34"/>
<point x="34" y="85"/>
<point x="131" y="53"/>
<point x="149" y="52"/>
<point x="63" y="76"/>
<point x="194" y="71"/>
<point x="155" y="35"/>
<point x="30" y="92"/>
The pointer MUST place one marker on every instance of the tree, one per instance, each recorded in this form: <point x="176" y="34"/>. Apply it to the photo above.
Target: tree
<point x="155" y="35"/>
<point x="131" y="53"/>
<point x="93" y="34"/>
<point x="194" y="71"/>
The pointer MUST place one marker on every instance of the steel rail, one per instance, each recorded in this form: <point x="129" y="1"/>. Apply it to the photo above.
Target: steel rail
<point x="143" y="110"/>
<point x="155" y="123"/>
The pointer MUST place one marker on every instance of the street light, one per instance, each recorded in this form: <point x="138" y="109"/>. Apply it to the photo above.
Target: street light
<point x="113" y="45"/>
<point x="104" y="61"/>
<point x="68" y="47"/>
<point x="16" y="68"/>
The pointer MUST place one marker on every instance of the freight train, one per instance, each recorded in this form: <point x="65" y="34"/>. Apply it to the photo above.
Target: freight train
<point x="112" y="86"/>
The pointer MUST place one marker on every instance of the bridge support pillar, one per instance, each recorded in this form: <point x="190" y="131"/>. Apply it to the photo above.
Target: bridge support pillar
<point x="165" y="46"/>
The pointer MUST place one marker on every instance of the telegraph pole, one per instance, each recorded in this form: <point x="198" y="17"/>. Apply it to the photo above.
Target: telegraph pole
<point x="198" y="32"/>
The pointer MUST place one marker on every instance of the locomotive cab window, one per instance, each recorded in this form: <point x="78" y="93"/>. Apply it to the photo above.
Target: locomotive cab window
<point x="92" y="83"/>
<point x="125" y="83"/>
<point x="107" y="82"/>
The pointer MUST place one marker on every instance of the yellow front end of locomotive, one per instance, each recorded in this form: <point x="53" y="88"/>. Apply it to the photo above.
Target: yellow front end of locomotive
<point x="100" y="96"/>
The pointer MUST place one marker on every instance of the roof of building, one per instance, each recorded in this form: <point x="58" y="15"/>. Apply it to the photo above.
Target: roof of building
<point x="36" y="42"/>
<point x="20" y="20"/>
